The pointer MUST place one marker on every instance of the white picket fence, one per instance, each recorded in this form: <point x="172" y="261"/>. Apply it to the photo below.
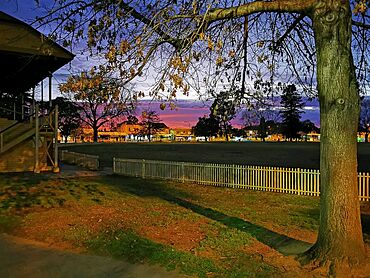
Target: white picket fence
<point x="276" y="179"/>
<point x="90" y="162"/>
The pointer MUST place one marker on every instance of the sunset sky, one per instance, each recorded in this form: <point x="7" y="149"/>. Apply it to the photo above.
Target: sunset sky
<point x="188" y="110"/>
<point x="187" y="113"/>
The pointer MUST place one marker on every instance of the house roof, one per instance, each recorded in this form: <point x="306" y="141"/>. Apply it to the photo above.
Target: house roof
<point x="26" y="55"/>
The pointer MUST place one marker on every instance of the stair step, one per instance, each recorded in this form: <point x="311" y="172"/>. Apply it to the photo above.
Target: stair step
<point x="4" y="123"/>
<point x="22" y="158"/>
<point x="8" y="144"/>
<point x="17" y="132"/>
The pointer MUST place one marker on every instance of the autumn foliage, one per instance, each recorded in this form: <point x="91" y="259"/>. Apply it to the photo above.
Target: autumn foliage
<point x="100" y="98"/>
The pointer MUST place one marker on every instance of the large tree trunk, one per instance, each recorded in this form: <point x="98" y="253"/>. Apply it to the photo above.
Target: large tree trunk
<point x="366" y="135"/>
<point x="149" y="132"/>
<point x="226" y="132"/>
<point x="340" y="235"/>
<point x="95" y="130"/>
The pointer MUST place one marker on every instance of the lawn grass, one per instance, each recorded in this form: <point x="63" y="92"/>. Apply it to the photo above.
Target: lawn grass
<point x="9" y="222"/>
<point x="27" y="190"/>
<point x="277" y="154"/>
<point x="198" y="230"/>
<point x="137" y="249"/>
<point x="249" y="153"/>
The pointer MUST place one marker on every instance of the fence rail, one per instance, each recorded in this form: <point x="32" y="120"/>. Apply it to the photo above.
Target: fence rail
<point x="275" y="179"/>
<point x="85" y="160"/>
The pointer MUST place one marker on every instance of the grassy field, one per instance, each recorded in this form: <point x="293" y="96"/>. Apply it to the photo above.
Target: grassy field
<point x="197" y="230"/>
<point x="283" y="154"/>
<point x="201" y="231"/>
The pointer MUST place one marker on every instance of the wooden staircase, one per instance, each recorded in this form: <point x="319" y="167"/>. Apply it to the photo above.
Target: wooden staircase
<point x="4" y="123"/>
<point x="29" y="145"/>
<point x="16" y="134"/>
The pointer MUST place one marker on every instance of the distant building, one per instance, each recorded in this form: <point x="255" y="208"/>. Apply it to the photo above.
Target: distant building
<point x="183" y="134"/>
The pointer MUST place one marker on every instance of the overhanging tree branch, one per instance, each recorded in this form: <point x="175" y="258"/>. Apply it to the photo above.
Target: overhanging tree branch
<point x="281" y="6"/>
<point x="360" y="24"/>
<point x="289" y="30"/>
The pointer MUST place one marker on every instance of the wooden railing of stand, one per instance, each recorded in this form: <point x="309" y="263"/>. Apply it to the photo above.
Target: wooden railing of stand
<point x="47" y="126"/>
<point x="4" y="133"/>
<point x="37" y="126"/>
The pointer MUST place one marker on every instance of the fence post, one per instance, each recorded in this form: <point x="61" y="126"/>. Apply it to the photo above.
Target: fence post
<point x="182" y="172"/>
<point x="83" y="159"/>
<point x="114" y="165"/>
<point x="56" y="162"/>
<point x="232" y="175"/>
<point x="143" y="169"/>
<point x="37" y="140"/>
<point x="298" y="181"/>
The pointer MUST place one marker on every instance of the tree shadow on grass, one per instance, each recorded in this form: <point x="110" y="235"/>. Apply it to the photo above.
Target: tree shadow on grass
<point x="152" y="188"/>
<point x="365" y="220"/>
<point x="23" y="191"/>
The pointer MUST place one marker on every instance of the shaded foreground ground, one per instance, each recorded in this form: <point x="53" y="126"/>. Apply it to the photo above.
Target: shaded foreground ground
<point x="197" y="230"/>
<point x="277" y="154"/>
<point x="25" y="258"/>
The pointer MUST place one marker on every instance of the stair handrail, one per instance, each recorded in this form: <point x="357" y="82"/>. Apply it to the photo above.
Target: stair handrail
<point x="14" y="112"/>
<point x="51" y="120"/>
<point x="18" y="122"/>
<point x="2" y="132"/>
<point x="11" y="111"/>
<point x="29" y="117"/>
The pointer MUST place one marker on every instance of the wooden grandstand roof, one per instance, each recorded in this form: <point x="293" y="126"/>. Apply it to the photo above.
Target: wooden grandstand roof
<point x="26" y="55"/>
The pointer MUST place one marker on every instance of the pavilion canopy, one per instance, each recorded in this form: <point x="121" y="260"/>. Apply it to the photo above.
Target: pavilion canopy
<point x="26" y="55"/>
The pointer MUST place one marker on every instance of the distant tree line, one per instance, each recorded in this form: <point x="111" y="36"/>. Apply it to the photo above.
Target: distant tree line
<point x="291" y="126"/>
<point x="259" y="117"/>
<point x="72" y="118"/>
<point x="217" y="123"/>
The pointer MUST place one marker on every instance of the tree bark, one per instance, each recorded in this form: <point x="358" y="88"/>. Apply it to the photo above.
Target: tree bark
<point x="95" y="130"/>
<point x="340" y="234"/>
<point x="366" y="135"/>
<point x="226" y="132"/>
<point x="149" y="131"/>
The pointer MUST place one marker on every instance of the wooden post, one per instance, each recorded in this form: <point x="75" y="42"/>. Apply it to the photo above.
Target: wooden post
<point x="37" y="140"/>
<point x="55" y="139"/>
<point x="298" y="181"/>
<point x="22" y="100"/>
<point x="14" y="116"/>
<point x="50" y="91"/>
<point x="32" y="105"/>
<point x="143" y="169"/>
<point x="42" y="96"/>
<point x="182" y="172"/>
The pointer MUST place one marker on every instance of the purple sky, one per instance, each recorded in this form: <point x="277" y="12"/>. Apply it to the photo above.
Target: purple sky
<point x="187" y="112"/>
